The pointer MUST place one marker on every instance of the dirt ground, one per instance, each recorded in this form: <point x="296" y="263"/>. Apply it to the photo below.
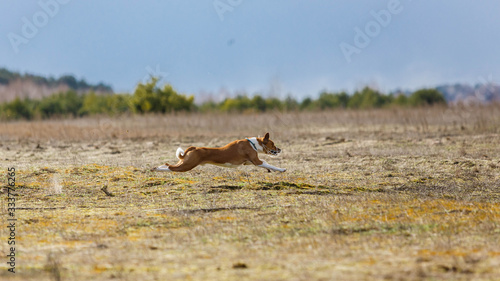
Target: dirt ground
<point x="387" y="194"/>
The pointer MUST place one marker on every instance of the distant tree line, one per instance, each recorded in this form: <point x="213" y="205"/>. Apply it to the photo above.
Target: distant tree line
<point x="363" y="99"/>
<point x="7" y="77"/>
<point x="150" y="98"/>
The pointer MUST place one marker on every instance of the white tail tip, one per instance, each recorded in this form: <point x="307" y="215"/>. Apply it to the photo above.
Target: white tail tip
<point x="179" y="153"/>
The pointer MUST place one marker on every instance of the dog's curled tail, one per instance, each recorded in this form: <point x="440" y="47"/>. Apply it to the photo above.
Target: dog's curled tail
<point x="179" y="153"/>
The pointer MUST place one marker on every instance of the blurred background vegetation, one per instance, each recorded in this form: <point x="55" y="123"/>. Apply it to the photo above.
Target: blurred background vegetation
<point x="75" y="98"/>
<point x="149" y="97"/>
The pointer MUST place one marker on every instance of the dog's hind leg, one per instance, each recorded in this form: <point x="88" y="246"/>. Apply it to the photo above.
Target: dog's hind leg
<point x="182" y="166"/>
<point x="180" y="154"/>
<point x="186" y="161"/>
<point x="163" y="168"/>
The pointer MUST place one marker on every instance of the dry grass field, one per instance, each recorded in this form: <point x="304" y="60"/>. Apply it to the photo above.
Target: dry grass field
<point x="368" y="195"/>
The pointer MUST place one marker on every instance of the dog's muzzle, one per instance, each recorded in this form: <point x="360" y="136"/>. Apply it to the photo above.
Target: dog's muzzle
<point x="275" y="152"/>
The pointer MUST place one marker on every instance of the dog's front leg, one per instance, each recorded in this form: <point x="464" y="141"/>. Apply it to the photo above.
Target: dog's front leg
<point x="265" y="165"/>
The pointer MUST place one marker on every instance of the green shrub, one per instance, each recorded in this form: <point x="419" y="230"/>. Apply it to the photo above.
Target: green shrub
<point x="425" y="97"/>
<point x="331" y="100"/>
<point x="149" y="97"/>
<point x="368" y="98"/>
<point x="400" y="100"/>
<point x="18" y="109"/>
<point x="307" y="103"/>
<point x="61" y="104"/>
<point x="238" y="104"/>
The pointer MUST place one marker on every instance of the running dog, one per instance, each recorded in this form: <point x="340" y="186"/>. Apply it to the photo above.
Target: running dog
<point x="238" y="152"/>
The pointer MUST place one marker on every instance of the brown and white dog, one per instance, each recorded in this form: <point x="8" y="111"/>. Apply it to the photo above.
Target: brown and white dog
<point x="239" y="152"/>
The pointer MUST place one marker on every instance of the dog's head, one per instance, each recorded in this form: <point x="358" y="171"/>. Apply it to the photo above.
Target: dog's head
<point x="268" y="145"/>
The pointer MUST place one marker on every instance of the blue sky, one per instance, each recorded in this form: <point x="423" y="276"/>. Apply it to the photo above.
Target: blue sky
<point x="272" y="47"/>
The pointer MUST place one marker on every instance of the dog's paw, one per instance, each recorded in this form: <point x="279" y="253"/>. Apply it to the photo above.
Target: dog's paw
<point x="162" y="168"/>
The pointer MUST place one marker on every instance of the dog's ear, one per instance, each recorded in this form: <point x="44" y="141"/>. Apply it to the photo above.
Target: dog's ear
<point x="266" y="137"/>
